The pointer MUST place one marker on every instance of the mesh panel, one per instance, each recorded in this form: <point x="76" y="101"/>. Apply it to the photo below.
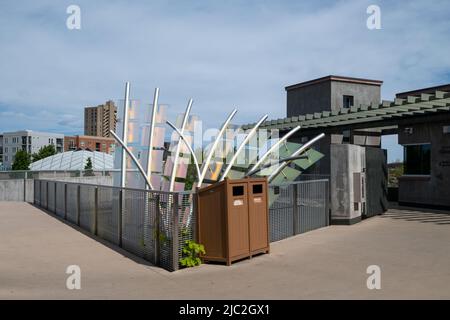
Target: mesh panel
<point x="134" y="210"/>
<point x="165" y="230"/>
<point x="60" y="205"/>
<point x="72" y="202"/>
<point x="51" y="201"/>
<point x="186" y="221"/>
<point x="108" y="217"/>
<point x="281" y="214"/>
<point x="37" y="192"/>
<point x="44" y="194"/>
<point x="312" y="209"/>
<point x="87" y="207"/>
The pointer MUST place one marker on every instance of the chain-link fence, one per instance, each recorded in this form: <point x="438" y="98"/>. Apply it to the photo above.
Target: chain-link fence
<point x="150" y="224"/>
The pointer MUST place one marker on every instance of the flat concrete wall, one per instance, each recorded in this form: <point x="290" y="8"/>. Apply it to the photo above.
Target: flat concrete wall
<point x="433" y="189"/>
<point x="23" y="190"/>
<point x="309" y="99"/>
<point x="98" y="180"/>
<point x="364" y="94"/>
<point x="16" y="190"/>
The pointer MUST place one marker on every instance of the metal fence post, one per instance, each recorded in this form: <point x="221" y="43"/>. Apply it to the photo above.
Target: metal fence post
<point x="25" y="187"/>
<point x="156" y="233"/>
<point x="119" y="223"/>
<point x="78" y="204"/>
<point x="327" y="202"/>
<point x="175" y="232"/>
<point x="65" y="201"/>
<point x="55" y="201"/>
<point x="295" y="208"/>
<point x="46" y="195"/>
<point x="95" y="210"/>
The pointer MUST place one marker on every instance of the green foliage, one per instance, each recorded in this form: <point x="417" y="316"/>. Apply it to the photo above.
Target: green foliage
<point x="395" y="171"/>
<point x="88" y="167"/>
<point x="191" y="175"/>
<point x="44" y="152"/>
<point x="191" y="254"/>
<point x="22" y="160"/>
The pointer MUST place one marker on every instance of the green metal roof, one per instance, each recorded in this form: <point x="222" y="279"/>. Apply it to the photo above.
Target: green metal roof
<point x="399" y="108"/>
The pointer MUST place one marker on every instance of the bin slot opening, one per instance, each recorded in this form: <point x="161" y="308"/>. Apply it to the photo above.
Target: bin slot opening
<point x="257" y="188"/>
<point x="238" y="191"/>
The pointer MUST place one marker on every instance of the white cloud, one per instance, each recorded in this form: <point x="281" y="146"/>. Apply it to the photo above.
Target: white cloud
<point x="224" y="55"/>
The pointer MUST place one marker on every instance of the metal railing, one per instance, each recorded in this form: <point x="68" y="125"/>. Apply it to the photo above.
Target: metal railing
<point x="154" y="225"/>
<point x="150" y="224"/>
<point x="54" y="174"/>
<point x="298" y="207"/>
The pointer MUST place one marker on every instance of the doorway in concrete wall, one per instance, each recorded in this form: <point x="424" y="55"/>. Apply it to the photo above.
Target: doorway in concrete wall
<point x="395" y="164"/>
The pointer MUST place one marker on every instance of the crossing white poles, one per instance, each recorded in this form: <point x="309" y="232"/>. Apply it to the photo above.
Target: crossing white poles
<point x="274" y="147"/>
<point x="295" y="154"/>
<point x="197" y="167"/>
<point x="241" y="147"/>
<point x="177" y="151"/>
<point x="136" y="161"/>
<point x="214" y="147"/>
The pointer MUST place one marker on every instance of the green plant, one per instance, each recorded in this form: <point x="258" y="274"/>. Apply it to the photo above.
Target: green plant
<point x="22" y="161"/>
<point x="88" y="171"/>
<point x="44" y="152"/>
<point x="191" y="254"/>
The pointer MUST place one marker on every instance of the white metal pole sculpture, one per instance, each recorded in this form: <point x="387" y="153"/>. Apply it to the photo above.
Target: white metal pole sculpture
<point x="197" y="167"/>
<point x="274" y="147"/>
<point x="177" y="151"/>
<point x="151" y="133"/>
<point x="241" y="147"/>
<point x="214" y="147"/>
<point x="136" y="161"/>
<point x="295" y="154"/>
<point x="123" y="164"/>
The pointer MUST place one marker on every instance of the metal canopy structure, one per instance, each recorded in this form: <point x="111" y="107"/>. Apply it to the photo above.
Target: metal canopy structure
<point x="385" y="113"/>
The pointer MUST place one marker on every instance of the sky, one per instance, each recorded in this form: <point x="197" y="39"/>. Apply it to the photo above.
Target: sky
<point x="223" y="54"/>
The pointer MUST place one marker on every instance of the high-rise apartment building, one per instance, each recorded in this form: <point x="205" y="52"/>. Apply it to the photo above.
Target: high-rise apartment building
<point x="99" y="120"/>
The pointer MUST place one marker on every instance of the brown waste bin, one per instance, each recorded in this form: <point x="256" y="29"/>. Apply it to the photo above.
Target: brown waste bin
<point x="232" y="219"/>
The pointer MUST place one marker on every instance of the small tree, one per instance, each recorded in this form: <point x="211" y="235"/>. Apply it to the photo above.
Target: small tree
<point x="22" y="160"/>
<point x="44" y="152"/>
<point x="88" y="169"/>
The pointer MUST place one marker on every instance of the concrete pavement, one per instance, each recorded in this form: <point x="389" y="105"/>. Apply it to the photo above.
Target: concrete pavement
<point x="412" y="249"/>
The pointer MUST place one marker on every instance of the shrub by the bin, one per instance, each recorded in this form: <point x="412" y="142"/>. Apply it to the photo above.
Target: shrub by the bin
<point x="191" y="254"/>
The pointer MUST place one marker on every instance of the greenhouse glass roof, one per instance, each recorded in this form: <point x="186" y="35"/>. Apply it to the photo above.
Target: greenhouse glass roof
<point x="74" y="160"/>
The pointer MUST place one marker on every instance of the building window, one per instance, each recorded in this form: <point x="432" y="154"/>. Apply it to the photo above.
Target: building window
<point x="417" y="159"/>
<point x="348" y="101"/>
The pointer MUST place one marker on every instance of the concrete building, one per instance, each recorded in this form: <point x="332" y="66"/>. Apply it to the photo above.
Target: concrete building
<point x="29" y="141"/>
<point x="426" y="178"/>
<point x="92" y="143"/>
<point x="352" y="117"/>
<point x="331" y="93"/>
<point x="99" y="120"/>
